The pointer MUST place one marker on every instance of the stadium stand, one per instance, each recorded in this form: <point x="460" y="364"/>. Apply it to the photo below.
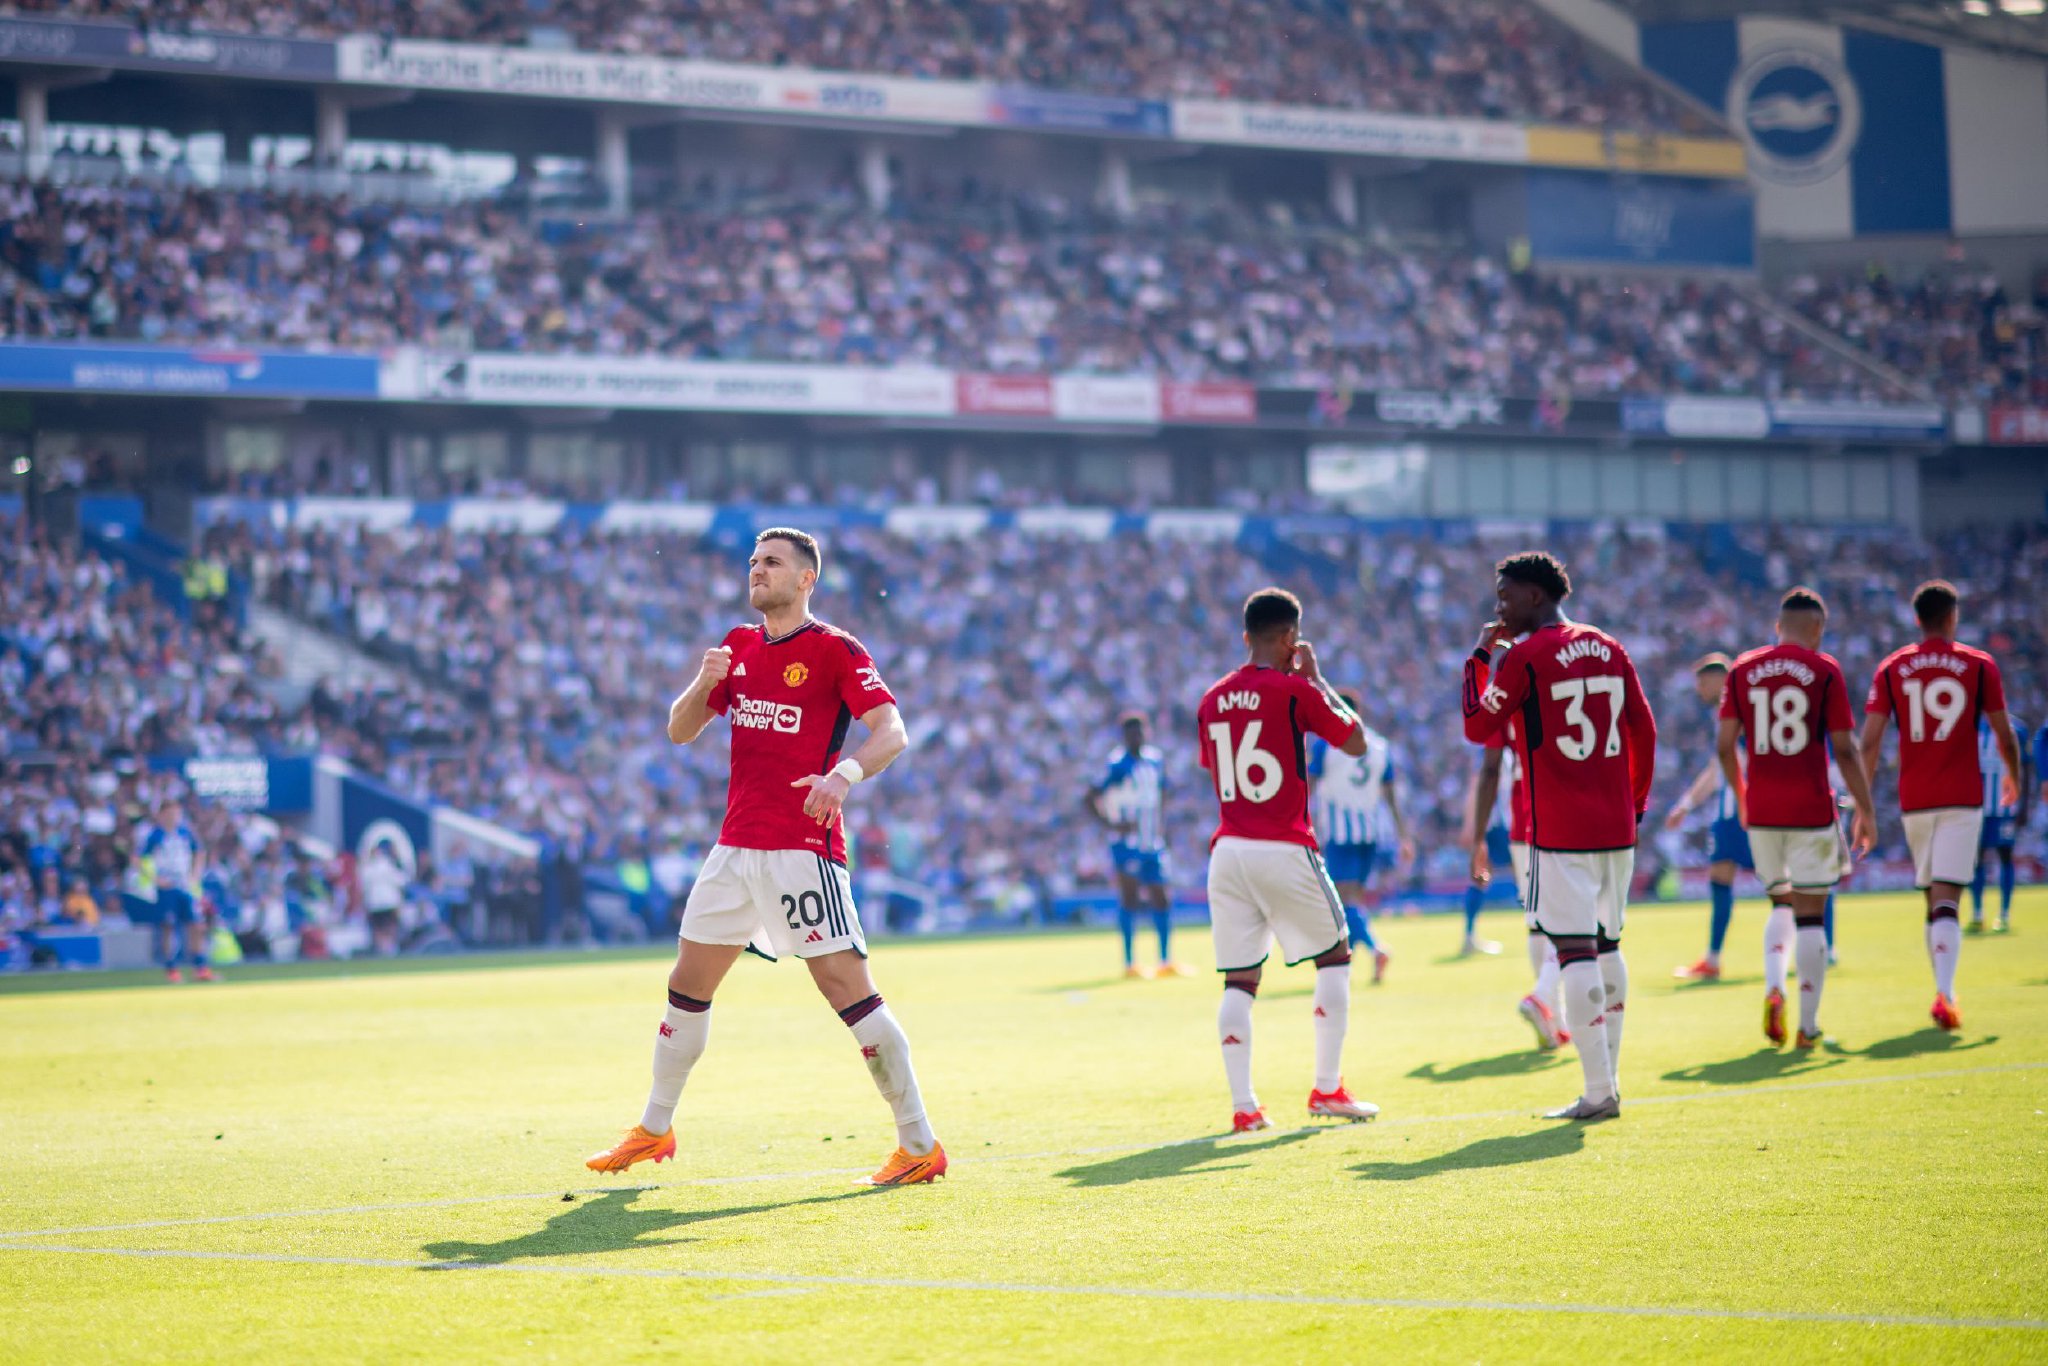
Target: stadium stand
<point x="1016" y="282"/>
<point x="1446" y="57"/>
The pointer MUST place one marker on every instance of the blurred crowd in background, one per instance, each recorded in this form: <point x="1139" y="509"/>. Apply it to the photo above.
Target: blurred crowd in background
<point x="975" y="279"/>
<point x="1470" y="58"/>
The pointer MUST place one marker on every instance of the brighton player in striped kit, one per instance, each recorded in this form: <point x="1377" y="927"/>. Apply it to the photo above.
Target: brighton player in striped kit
<point x="1358" y="817"/>
<point x="1730" y="851"/>
<point x="2004" y="818"/>
<point x="1130" y="799"/>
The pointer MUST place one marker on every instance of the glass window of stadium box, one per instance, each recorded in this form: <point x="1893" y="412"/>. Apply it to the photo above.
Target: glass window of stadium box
<point x="1620" y="476"/>
<point x="1746" y="487"/>
<point x="1790" y="496"/>
<point x="1704" y="480"/>
<point x="1663" y="485"/>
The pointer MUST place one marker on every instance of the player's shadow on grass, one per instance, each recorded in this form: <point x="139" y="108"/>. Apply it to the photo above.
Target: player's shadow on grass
<point x="1921" y="1042"/>
<point x="609" y="1223"/>
<point x="1195" y="1158"/>
<point x="1766" y="1064"/>
<point x="1710" y="983"/>
<point x="1517" y="1064"/>
<point x="1509" y="1150"/>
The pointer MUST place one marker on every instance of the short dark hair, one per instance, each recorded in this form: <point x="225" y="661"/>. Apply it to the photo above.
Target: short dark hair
<point x="1713" y="661"/>
<point x="1934" y="600"/>
<point x="1132" y="717"/>
<point x="1540" y="568"/>
<point x="805" y="543"/>
<point x="1802" y="599"/>
<point x="1270" y="610"/>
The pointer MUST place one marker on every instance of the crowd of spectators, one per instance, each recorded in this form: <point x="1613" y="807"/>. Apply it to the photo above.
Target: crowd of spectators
<point x="1461" y="58"/>
<point x="1013" y="656"/>
<point x="99" y="678"/>
<point x="986" y="282"/>
<point x="1959" y="330"/>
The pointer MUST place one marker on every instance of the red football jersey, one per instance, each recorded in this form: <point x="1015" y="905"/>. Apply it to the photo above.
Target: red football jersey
<point x="1788" y="700"/>
<point x="791" y="700"/>
<point x="1254" y="727"/>
<point x="1936" y="691"/>
<point x="1584" y="731"/>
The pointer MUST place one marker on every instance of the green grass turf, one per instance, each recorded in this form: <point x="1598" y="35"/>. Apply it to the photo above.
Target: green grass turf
<point x="1899" y="1175"/>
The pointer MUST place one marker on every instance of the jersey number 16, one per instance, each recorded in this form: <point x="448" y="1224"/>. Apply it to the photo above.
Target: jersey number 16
<point x="1243" y="770"/>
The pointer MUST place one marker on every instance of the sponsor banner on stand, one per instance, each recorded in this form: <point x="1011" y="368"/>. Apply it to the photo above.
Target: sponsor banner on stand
<point x="1649" y="153"/>
<point x="200" y="372"/>
<point x="1667" y="220"/>
<point x="487" y="69"/>
<point x="124" y="48"/>
<point x="1004" y="396"/>
<point x="1859" y="421"/>
<point x="1105" y="398"/>
<point x="1021" y="106"/>
<point x="1306" y="128"/>
<point x="1217" y="403"/>
<point x="1727" y="419"/>
<point x="2007" y="425"/>
<point x="651" y="382"/>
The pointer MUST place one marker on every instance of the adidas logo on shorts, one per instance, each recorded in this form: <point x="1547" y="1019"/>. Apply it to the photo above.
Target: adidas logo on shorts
<point x="814" y="938"/>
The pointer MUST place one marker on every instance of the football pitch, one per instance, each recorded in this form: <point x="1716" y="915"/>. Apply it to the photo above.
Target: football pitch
<point x="387" y="1165"/>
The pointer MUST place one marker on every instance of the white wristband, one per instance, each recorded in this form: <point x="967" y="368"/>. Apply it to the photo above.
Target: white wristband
<point x="850" y="770"/>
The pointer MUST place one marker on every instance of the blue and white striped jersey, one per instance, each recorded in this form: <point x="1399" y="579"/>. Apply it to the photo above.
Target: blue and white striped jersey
<point x="172" y="853"/>
<point x="1726" y="808"/>
<point x="1994" y="766"/>
<point x="1348" y="804"/>
<point x="1133" y="788"/>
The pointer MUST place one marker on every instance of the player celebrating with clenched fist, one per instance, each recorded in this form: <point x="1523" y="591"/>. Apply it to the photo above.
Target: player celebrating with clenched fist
<point x="776" y="881"/>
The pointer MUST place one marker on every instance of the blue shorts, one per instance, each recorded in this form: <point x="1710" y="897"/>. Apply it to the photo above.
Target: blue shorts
<point x="2000" y="832"/>
<point x="1731" y="845"/>
<point x="175" y="907"/>
<point x="1146" y="867"/>
<point x="1351" y="862"/>
<point x="1499" y="848"/>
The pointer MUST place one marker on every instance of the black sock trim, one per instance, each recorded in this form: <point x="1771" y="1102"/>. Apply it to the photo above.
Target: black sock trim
<point x="1248" y="988"/>
<point x="1817" y="921"/>
<point x="861" y="1009"/>
<point x="1945" y="911"/>
<point x="689" y="1004"/>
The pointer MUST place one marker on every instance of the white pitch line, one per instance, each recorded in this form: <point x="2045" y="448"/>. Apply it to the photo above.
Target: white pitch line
<point x="1122" y="1292"/>
<point x="820" y="1174"/>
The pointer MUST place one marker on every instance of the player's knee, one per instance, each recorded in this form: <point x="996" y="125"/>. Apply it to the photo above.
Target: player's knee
<point x="1246" y="983"/>
<point x="1335" y="958"/>
<point x="1941" y="910"/>
<point x="1575" y="948"/>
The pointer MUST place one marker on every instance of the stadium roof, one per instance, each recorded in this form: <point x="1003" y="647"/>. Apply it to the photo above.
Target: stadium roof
<point x="2005" y="25"/>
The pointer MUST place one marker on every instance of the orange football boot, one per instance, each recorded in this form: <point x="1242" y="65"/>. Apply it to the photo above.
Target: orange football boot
<point x="1774" y="1016"/>
<point x="905" y="1168"/>
<point x="637" y="1146"/>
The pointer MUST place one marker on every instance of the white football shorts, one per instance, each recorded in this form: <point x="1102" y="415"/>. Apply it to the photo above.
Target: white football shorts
<point x="1518" y="854"/>
<point x="778" y="902"/>
<point x="1263" y="890"/>
<point x="1573" y="893"/>
<point x="1944" y="844"/>
<point x="1804" y="860"/>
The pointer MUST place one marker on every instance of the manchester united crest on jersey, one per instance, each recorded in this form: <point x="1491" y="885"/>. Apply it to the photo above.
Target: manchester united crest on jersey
<point x="795" y="674"/>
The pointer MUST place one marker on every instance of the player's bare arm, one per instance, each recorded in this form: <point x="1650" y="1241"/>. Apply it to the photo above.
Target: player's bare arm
<point x="1872" y="748"/>
<point x="1863" y="826"/>
<point x="691" y="711"/>
<point x="2009" y="754"/>
<point x="1305" y="666"/>
<point x="1727" y="749"/>
<point x="1702" y="787"/>
<point x="887" y="738"/>
<point x="1485" y="792"/>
